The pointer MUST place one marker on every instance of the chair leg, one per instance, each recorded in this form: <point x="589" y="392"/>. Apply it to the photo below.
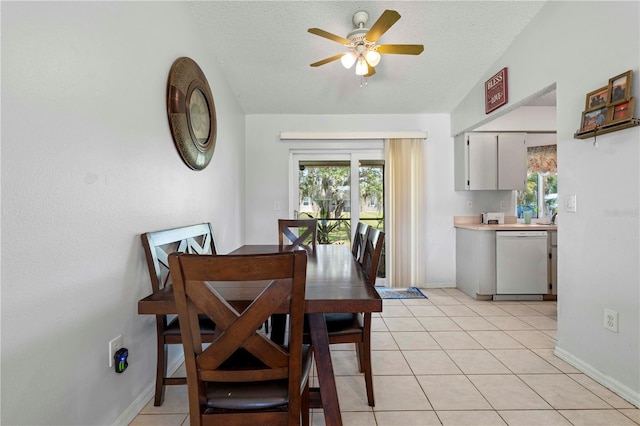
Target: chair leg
<point x="161" y="372"/>
<point x="304" y="406"/>
<point x="278" y="327"/>
<point x="368" y="374"/>
<point x="360" y="356"/>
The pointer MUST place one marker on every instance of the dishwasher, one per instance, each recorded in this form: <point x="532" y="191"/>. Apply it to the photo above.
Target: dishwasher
<point x="521" y="265"/>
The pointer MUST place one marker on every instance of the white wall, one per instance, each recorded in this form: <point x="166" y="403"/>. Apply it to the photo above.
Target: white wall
<point x="598" y="247"/>
<point x="88" y="163"/>
<point x="268" y="173"/>
<point x="525" y="118"/>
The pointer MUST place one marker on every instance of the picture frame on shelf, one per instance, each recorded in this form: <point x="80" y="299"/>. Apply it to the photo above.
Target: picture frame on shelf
<point x="620" y="88"/>
<point x="621" y="112"/>
<point x="593" y="119"/>
<point x="597" y="98"/>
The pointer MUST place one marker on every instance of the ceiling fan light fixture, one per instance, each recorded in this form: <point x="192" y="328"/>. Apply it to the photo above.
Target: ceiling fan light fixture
<point x="348" y="59"/>
<point x="361" y="66"/>
<point x="372" y="57"/>
<point x="361" y="43"/>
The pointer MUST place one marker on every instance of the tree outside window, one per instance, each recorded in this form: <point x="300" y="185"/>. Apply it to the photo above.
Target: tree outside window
<point x="541" y="191"/>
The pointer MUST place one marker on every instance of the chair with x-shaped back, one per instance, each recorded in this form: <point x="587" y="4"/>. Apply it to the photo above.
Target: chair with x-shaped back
<point x="243" y="377"/>
<point x="197" y="239"/>
<point x="305" y="235"/>
<point x="297" y="233"/>
<point x="357" y="247"/>
<point x="371" y="254"/>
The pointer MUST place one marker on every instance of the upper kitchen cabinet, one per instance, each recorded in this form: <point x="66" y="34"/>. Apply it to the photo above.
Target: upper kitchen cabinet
<point x="490" y="161"/>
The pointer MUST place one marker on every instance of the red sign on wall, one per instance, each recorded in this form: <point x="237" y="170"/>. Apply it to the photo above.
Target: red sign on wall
<point x="496" y="91"/>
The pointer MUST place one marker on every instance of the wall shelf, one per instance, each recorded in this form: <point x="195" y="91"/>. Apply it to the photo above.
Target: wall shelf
<point x="607" y="128"/>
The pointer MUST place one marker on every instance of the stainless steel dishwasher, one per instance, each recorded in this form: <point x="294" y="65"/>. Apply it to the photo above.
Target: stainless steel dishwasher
<point x="521" y="265"/>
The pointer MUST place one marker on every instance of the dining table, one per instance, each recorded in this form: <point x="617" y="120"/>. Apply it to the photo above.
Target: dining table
<point x="335" y="283"/>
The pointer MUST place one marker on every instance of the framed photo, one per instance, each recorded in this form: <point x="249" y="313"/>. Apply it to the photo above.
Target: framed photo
<point x="620" y="88"/>
<point x="597" y="98"/>
<point x="621" y="112"/>
<point x="593" y="119"/>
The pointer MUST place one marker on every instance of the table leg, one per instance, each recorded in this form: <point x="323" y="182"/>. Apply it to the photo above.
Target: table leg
<point x="326" y="379"/>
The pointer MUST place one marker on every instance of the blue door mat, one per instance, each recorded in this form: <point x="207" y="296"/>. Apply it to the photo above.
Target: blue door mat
<point x="400" y="293"/>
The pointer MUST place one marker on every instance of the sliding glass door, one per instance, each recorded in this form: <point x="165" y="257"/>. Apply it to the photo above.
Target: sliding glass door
<point x="339" y="189"/>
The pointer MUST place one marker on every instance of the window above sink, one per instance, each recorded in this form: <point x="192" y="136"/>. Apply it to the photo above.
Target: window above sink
<point x="541" y="191"/>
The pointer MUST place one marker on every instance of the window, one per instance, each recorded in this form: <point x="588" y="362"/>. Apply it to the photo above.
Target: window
<point x="541" y="192"/>
<point x="325" y="187"/>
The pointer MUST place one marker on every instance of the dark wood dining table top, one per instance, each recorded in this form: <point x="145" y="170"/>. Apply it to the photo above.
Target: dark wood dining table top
<point x="335" y="283"/>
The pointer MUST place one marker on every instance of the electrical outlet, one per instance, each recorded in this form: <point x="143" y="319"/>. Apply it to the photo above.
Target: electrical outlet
<point x="469" y="203"/>
<point x="504" y="204"/>
<point x="276" y="206"/>
<point x="611" y="320"/>
<point x="114" y="345"/>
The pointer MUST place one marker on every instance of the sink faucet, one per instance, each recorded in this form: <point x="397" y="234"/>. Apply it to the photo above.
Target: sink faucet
<point x="553" y="218"/>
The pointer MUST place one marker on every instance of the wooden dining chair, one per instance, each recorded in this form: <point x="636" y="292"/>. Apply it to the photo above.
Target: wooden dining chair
<point x="357" y="247"/>
<point x="197" y="239"/>
<point x="356" y="327"/>
<point x="298" y="232"/>
<point x="370" y="261"/>
<point x="301" y="233"/>
<point x="242" y="377"/>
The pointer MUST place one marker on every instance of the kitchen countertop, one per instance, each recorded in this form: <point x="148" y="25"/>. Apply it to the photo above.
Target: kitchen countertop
<point x="473" y="223"/>
<point x="508" y="227"/>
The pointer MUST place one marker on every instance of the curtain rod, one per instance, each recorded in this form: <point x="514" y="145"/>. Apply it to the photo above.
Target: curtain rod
<point x="351" y="135"/>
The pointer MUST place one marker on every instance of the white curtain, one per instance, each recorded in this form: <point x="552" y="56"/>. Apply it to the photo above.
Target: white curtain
<point x="404" y="160"/>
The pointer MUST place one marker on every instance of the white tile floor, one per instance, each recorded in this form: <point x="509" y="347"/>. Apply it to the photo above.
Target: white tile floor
<point x="452" y="360"/>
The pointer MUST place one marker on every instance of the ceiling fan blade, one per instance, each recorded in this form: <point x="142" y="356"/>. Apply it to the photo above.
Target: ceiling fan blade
<point x="401" y="49"/>
<point x="384" y="22"/>
<point x="325" y="34"/>
<point x="371" y="71"/>
<point x="327" y="60"/>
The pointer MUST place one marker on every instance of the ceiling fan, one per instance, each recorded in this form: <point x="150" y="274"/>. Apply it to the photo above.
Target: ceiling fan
<point x="362" y="49"/>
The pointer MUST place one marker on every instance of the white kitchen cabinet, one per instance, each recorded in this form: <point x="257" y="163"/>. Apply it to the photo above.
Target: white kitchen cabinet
<point x="476" y="263"/>
<point x="490" y="161"/>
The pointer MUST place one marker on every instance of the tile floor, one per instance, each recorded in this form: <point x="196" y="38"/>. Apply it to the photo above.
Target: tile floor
<point x="452" y="360"/>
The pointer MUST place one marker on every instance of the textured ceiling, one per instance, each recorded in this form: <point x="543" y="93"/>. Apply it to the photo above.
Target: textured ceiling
<point x="264" y="49"/>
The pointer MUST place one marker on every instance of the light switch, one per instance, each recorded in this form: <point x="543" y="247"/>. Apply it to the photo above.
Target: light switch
<point x="571" y="204"/>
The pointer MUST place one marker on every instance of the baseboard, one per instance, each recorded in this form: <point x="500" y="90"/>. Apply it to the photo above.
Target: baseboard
<point x="613" y="385"/>
<point x="147" y="394"/>
<point x="136" y="406"/>
<point x="517" y="297"/>
<point x="439" y="285"/>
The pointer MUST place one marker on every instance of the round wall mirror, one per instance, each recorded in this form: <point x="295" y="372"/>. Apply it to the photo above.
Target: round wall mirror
<point x="192" y="113"/>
